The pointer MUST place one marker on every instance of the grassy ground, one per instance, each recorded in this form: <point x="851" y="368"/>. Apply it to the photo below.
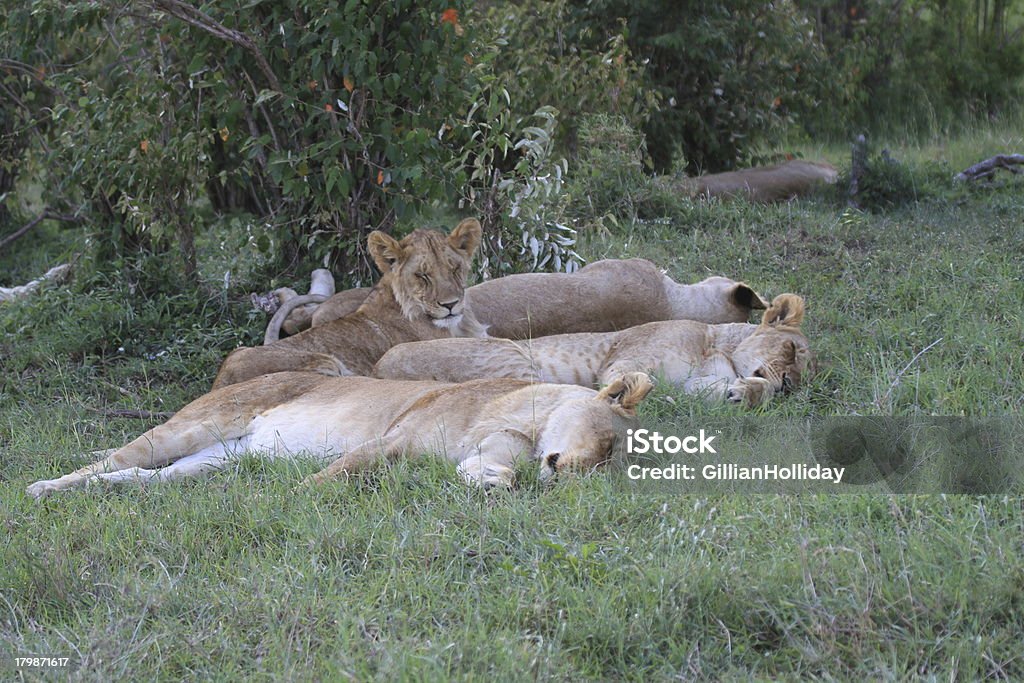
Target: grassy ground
<point x="408" y="574"/>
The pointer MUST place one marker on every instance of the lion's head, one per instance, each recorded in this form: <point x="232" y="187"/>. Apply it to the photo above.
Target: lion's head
<point x="777" y="351"/>
<point x="427" y="271"/>
<point x="586" y="432"/>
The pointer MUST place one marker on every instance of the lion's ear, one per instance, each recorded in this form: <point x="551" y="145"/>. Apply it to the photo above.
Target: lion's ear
<point x="385" y="250"/>
<point x="627" y="391"/>
<point x="745" y="297"/>
<point x="466" y="236"/>
<point x="789" y="351"/>
<point x="804" y="361"/>
<point x="786" y="310"/>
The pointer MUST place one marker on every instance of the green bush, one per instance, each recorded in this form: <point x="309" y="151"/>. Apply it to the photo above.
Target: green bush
<point x="729" y="75"/>
<point x="322" y="123"/>
<point x="922" y="67"/>
<point x="544" y="60"/>
<point x="884" y="182"/>
<point x="610" y="178"/>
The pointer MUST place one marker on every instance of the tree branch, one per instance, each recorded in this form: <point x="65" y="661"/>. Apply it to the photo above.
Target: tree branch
<point x="987" y="168"/>
<point x="47" y="214"/>
<point x="192" y="16"/>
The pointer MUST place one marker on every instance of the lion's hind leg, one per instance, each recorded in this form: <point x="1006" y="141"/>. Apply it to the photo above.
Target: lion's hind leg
<point x="160" y="446"/>
<point x="195" y="465"/>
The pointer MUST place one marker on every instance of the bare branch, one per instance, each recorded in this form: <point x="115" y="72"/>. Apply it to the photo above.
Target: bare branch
<point x="139" y="414"/>
<point x="45" y="215"/>
<point x="987" y="168"/>
<point x="879" y="401"/>
<point x="194" y="17"/>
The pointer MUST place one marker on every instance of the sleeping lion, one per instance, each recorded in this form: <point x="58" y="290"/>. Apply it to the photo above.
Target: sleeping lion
<point x="738" y="362"/>
<point x="603" y="296"/>
<point x="352" y="422"/>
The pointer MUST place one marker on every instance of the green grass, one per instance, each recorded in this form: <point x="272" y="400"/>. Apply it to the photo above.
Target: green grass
<point x="407" y="574"/>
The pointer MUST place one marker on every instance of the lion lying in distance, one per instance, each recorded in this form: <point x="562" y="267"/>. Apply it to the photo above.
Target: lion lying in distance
<point x="419" y="296"/>
<point x="741" y="363"/>
<point x="765" y="184"/>
<point x="484" y="426"/>
<point x="601" y="297"/>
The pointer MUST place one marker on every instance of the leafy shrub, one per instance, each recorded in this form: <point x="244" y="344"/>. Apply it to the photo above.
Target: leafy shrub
<point x="883" y="183"/>
<point x="102" y="319"/>
<point x="920" y="67"/>
<point x="511" y="179"/>
<point x="542" y="60"/>
<point x="322" y="123"/>
<point x="728" y="74"/>
<point x="610" y="178"/>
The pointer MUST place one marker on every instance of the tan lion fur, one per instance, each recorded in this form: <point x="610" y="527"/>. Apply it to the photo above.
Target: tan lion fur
<point x="485" y="426"/>
<point x="421" y="295"/>
<point x="765" y="184"/>
<point x="601" y="297"/>
<point x="735" y="361"/>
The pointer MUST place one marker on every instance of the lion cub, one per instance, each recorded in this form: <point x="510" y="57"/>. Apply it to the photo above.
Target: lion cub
<point x="738" y="362"/>
<point x="421" y="295"/>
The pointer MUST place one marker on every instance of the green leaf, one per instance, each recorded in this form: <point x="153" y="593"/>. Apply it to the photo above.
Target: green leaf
<point x="266" y="95"/>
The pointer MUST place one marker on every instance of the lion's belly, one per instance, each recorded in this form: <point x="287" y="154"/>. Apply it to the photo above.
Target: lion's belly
<point x="319" y="431"/>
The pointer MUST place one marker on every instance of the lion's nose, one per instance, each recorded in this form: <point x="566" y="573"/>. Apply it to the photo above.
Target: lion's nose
<point x="450" y="305"/>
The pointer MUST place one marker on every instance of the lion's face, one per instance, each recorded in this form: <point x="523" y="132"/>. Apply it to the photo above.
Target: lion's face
<point x="583" y="433"/>
<point x="777" y="351"/>
<point x="428" y="271"/>
<point x="779" y="358"/>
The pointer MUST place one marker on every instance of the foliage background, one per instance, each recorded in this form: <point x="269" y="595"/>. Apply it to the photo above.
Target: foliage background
<point x="285" y="131"/>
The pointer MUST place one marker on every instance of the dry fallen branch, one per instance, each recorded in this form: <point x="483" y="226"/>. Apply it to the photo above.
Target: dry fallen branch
<point x="987" y="168"/>
<point x="273" y="332"/>
<point x="139" y="414"/>
<point x="55" y="274"/>
<point x="295" y="313"/>
<point x="899" y="375"/>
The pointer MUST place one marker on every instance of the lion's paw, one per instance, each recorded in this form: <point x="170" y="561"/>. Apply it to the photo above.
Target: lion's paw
<point x="487" y="475"/>
<point x="42" y="489"/>
<point x="313" y="481"/>
<point x="750" y="391"/>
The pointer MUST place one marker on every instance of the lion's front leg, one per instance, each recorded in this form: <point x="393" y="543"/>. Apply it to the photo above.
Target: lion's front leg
<point x="195" y="465"/>
<point x="490" y="465"/>
<point x="357" y="459"/>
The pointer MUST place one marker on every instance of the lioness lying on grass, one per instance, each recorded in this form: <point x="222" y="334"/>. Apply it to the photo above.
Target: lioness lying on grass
<point x="737" y="362"/>
<point x="601" y="297"/>
<point x="484" y="426"/>
<point x="765" y="184"/>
